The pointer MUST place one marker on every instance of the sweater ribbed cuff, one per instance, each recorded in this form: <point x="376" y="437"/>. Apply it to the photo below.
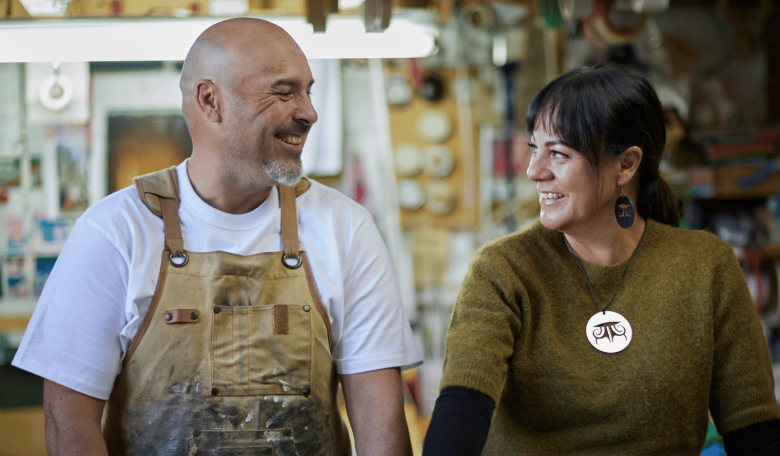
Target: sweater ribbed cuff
<point x="474" y="375"/>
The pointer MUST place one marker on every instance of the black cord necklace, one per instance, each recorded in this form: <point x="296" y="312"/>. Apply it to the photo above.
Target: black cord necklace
<point x="612" y="329"/>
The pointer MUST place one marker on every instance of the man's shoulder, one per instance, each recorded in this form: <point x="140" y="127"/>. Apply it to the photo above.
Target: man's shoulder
<point x="118" y="212"/>
<point x="330" y="202"/>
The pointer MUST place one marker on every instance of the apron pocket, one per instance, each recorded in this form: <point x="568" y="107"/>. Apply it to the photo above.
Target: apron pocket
<point x="261" y="350"/>
<point x="277" y="442"/>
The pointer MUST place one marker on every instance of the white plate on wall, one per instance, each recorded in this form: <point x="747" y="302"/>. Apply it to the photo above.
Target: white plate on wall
<point x="439" y="162"/>
<point x="441" y="199"/>
<point x="409" y="161"/>
<point x="410" y="195"/>
<point x="435" y="126"/>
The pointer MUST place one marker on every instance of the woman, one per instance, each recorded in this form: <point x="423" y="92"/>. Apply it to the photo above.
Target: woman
<point x="603" y="329"/>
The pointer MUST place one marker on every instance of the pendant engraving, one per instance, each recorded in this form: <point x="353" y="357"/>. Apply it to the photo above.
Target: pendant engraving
<point x="609" y="332"/>
<point x="624" y="212"/>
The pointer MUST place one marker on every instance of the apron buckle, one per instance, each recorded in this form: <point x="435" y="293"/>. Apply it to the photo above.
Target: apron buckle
<point x="292" y="266"/>
<point x="178" y="265"/>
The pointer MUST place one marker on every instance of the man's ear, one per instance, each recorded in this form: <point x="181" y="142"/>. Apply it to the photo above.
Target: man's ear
<point x="208" y="100"/>
<point x="628" y="165"/>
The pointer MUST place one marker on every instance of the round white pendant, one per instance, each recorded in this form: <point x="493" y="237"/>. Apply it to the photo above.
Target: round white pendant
<point x="609" y="332"/>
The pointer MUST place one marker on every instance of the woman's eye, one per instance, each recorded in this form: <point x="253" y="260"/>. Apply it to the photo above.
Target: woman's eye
<point x="557" y="154"/>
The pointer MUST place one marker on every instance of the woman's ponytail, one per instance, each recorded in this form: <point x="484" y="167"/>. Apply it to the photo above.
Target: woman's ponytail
<point x="656" y="201"/>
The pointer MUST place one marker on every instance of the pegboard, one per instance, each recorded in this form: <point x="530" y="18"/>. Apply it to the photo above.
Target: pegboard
<point x="464" y="176"/>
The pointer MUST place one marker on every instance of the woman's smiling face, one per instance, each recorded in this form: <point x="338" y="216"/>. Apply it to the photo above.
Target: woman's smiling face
<point x="573" y="198"/>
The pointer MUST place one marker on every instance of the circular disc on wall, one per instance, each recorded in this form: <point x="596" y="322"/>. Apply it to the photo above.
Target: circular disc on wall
<point x="432" y="88"/>
<point x="435" y="126"/>
<point x="408" y="160"/>
<point x="398" y="91"/>
<point x="56" y="92"/>
<point x="441" y="198"/>
<point x="439" y="161"/>
<point x="410" y="195"/>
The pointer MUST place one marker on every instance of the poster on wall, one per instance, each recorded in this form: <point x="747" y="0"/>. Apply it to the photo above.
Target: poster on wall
<point x="10" y="172"/>
<point x="49" y="235"/>
<point x="16" y="241"/>
<point x="71" y="154"/>
<point x="16" y="280"/>
<point x="43" y="268"/>
<point x="35" y="171"/>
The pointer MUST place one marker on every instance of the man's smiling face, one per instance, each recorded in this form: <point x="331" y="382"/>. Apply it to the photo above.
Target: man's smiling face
<point x="269" y="111"/>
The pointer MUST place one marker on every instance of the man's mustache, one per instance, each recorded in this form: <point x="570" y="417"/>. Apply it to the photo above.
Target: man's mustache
<point x="292" y="129"/>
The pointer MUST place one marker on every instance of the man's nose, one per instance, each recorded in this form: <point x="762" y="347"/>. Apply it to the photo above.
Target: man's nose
<point x="305" y="111"/>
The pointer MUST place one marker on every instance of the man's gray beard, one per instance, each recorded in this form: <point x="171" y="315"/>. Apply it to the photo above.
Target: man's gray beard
<point x="283" y="174"/>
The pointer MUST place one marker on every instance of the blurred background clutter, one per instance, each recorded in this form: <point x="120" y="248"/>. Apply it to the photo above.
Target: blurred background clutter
<point x="422" y="120"/>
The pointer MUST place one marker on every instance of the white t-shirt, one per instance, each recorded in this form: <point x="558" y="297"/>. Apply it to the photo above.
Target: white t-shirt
<point x="103" y="282"/>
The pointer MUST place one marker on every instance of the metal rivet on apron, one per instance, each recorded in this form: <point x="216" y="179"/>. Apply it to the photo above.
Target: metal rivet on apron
<point x="306" y="308"/>
<point x="214" y="391"/>
<point x="194" y="315"/>
<point x="168" y="316"/>
<point x="306" y="391"/>
<point x="196" y="433"/>
<point x="217" y="309"/>
<point x="287" y="432"/>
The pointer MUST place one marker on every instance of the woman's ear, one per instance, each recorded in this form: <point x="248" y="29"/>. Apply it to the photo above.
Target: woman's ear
<point x="628" y="165"/>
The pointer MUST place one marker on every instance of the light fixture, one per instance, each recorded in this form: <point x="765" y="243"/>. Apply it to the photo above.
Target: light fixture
<point x="152" y="39"/>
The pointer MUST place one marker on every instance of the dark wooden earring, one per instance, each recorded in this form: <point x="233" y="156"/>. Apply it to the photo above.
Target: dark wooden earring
<point x="624" y="210"/>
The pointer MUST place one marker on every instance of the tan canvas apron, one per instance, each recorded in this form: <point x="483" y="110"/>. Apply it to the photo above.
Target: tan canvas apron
<point x="234" y="356"/>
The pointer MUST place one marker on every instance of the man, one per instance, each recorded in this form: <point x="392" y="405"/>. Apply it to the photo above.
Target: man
<point x="166" y="310"/>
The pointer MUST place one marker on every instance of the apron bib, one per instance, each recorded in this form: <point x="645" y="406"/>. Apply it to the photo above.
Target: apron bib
<point x="234" y="357"/>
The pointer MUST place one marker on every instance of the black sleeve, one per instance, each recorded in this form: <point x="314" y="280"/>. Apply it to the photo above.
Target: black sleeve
<point x="759" y="439"/>
<point x="460" y="423"/>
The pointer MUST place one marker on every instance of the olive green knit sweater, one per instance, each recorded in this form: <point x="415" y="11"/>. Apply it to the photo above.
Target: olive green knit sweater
<point x="517" y="334"/>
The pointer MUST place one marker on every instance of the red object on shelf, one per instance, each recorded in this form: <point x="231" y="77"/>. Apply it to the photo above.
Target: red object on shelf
<point x="521" y="156"/>
<point x="766" y="136"/>
<point x="737" y="150"/>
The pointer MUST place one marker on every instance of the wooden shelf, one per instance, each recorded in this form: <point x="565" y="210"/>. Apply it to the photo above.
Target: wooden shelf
<point x="770" y="252"/>
<point x="13" y="323"/>
<point x="720" y="182"/>
<point x="726" y="187"/>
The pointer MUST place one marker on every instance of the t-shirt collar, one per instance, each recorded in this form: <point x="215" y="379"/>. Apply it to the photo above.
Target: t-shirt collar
<point x="213" y="216"/>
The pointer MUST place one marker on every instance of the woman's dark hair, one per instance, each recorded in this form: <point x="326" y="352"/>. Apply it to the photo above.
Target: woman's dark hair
<point x="602" y="111"/>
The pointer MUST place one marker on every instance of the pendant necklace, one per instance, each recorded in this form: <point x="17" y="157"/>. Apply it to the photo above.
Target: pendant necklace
<point x="608" y="331"/>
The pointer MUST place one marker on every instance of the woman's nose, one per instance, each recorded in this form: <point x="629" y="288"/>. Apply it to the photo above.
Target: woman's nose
<point x="536" y="168"/>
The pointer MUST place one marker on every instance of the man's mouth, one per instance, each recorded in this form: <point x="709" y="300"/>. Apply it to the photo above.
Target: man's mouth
<point x="291" y="139"/>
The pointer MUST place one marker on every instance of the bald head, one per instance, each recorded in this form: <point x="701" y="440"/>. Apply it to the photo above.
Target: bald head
<point x="246" y="100"/>
<point x="228" y="51"/>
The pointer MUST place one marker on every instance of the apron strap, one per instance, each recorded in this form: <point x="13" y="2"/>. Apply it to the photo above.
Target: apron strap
<point x="173" y="237"/>
<point x="290" y="243"/>
<point x="160" y="192"/>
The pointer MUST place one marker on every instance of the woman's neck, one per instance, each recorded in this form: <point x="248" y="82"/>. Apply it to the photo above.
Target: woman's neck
<point x="608" y="246"/>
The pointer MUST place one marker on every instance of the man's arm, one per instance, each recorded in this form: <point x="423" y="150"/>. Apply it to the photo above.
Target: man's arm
<point x="72" y="422"/>
<point x="375" y="405"/>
